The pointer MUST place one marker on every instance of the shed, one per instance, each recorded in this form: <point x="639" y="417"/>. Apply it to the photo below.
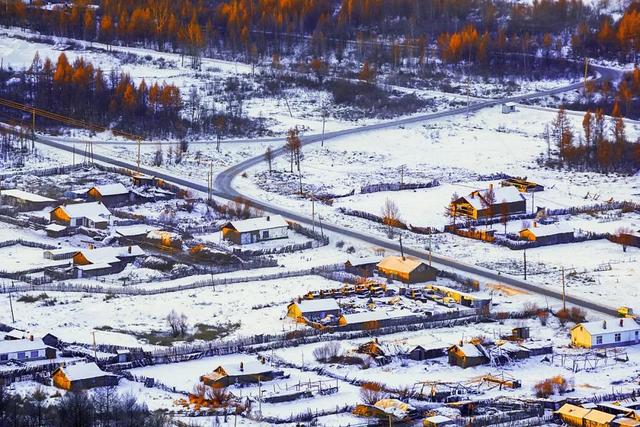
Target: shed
<point x="369" y="320"/>
<point x="572" y="414"/>
<point x="421" y="353"/>
<point x="255" y="229"/>
<point x="407" y="270"/>
<point x="509" y="107"/>
<point x="82" y="376"/>
<point x="479" y="301"/>
<point x="110" y="194"/>
<point x="480" y="204"/>
<point x="551" y="234"/>
<point x="60" y="254"/>
<point x="56" y="230"/>
<point x="597" y="418"/>
<point x="91" y="215"/>
<point x="314" y="309"/>
<point x="143" y="180"/>
<point x="625" y="422"/>
<point x="603" y="333"/>
<point x="25" y="200"/>
<point x="438" y="421"/>
<point x="522" y="185"/>
<point x="467" y="355"/>
<point x="362" y="266"/>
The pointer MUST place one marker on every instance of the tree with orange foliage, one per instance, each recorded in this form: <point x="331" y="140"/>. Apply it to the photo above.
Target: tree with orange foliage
<point x="367" y="73"/>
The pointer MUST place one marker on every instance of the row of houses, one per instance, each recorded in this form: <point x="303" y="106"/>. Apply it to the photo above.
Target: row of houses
<point x="396" y="267"/>
<point x="597" y="415"/>
<point x="92" y="261"/>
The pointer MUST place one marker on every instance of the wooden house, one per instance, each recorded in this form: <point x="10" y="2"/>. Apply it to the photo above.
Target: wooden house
<point x="509" y="107"/>
<point x="56" y="230"/>
<point x="314" y="309"/>
<point x="107" y="260"/>
<point x="255" y="230"/>
<point x="371" y="320"/>
<point x="478" y="301"/>
<point x="572" y="415"/>
<point x="246" y="372"/>
<point x="551" y="234"/>
<point x="522" y="185"/>
<point x="407" y="270"/>
<point x="362" y="266"/>
<point x="25" y="349"/>
<point x="421" y="353"/>
<point x="438" y="421"/>
<point x="91" y="215"/>
<point x="479" y="204"/>
<point x="467" y="355"/>
<point x="603" y="333"/>
<point x="60" y="254"/>
<point x="82" y="376"/>
<point x="625" y="422"/>
<point x="110" y="195"/>
<point x="25" y="200"/>
<point x="143" y="180"/>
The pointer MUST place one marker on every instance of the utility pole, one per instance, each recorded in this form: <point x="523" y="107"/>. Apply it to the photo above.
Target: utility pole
<point x="429" y="246"/>
<point x="95" y="353"/>
<point x="401" y="248"/>
<point x="324" y="118"/>
<point x="402" y="175"/>
<point x="13" y="319"/>
<point x="33" y="128"/>
<point x="564" y="294"/>
<point x="586" y="71"/>
<point x="74" y="155"/>
<point x="139" y="143"/>
<point x="313" y="213"/>
<point x="524" y="254"/>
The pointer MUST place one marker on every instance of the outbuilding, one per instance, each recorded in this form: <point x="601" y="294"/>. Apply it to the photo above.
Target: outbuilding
<point x="467" y="355"/>
<point x="362" y="266"/>
<point x="572" y="414"/>
<point x="551" y="234"/>
<point x="246" y="372"/>
<point x="25" y="200"/>
<point x="110" y="194"/>
<point x="83" y="376"/>
<point x="509" y="107"/>
<point x="25" y="349"/>
<point x="314" y="309"/>
<point x="604" y="333"/>
<point x="407" y="270"/>
<point x="255" y="230"/>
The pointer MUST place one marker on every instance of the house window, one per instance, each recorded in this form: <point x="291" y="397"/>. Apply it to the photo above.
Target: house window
<point x="21" y="355"/>
<point x="618" y="337"/>
<point x="265" y="234"/>
<point x="34" y="354"/>
<point x="4" y="357"/>
<point x="599" y="340"/>
<point x="636" y="335"/>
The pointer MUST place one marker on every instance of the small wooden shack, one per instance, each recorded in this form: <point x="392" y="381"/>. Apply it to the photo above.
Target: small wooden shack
<point x="551" y="234"/>
<point x="362" y="266"/>
<point x="407" y="270"/>
<point x="314" y="309"/>
<point x="467" y="355"/>
<point x="421" y="353"/>
<point x="25" y="200"/>
<point x="82" y="376"/>
<point x="246" y="372"/>
<point x="110" y="194"/>
<point x="91" y="215"/>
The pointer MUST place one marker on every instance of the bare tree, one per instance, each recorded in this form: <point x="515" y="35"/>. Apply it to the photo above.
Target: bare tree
<point x="268" y="156"/>
<point x="173" y="320"/>
<point x="488" y="201"/>
<point x="372" y="392"/>
<point x="293" y="146"/>
<point x="451" y="210"/>
<point x="390" y="216"/>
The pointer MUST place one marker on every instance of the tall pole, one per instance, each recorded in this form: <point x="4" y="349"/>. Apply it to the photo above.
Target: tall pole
<point x="564" y="295"/>
<point x="33" y="128"/>
<point x="524" y="253"/>
<point x="324" y="118"/>
<point x="13" y="319"/>
<point x="139" y="143"/>
<point x="313" y="213"/>
<point x="95" y="353"/>
<point x="429" y="246"/>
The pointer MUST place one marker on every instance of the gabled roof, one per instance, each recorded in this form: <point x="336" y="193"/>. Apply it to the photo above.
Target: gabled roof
<point x="249" y="367"/>
<point x="372" y="316"/>
<point x="110" y="255"/>
<point x="599" y="417"/>
<point x="597" y="327"/>
<point x="92" y="210"/>
<point x="470" y="350"/>
<point x="134" y="230"/>
<point x="257" y="224"/>
<point x="364" y="261"/>
<point x="111" y="189"/>
<point x="542" y="230"/>
<point x="24" y="195"/>
<point x="399" y="264"/>
<point x="317" y="305"/>
<point x="13" y="346"/>
<point x="83" y="371"/>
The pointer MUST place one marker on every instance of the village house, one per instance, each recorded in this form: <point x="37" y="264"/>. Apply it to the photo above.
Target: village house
<point x="371" y="320"/>
<point x="362" y="266"/>
<point x="478" y="301"/>
<point x="255" y="230"/>
<point x="82" y="376"/>
<point x="313" y="310"/>
<point x="110" y="194"/>
<point x="551" y="234"/>
<point x="603" y="333"/>
<point x="25" y="349"/>
<point x="56" y="230"/>
<point x="60" y="254"/>
<point x="489" y="203"/>
<point x="438" y="421"/>
<point x="246" y="372"/>
<point x="467" y="355"/>
<point x="91" y="215"/>
<point x="107" y="260"/>
<point x="25" y="200"/>
<point x="420" y="353"/>
<point x="585" y="417"/>
<point x="407" y="270"/>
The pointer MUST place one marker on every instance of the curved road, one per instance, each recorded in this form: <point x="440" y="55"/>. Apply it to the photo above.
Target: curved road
<point x="223" y="188"/>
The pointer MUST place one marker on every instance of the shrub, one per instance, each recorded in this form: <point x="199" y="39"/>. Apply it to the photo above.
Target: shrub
<point x="553" y="385"/>
<point x="328" y="352"/>
<point x="371" y="392"/>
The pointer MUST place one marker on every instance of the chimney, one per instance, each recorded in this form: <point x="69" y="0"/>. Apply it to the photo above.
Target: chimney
<point x="241" y="367"/>
<point x="621" y="323"/>
<point x="535" y="224"/>
<point x="129" y="249"/>
<point x="30" y="337"/>
<point x="268" y="218"/>
<point x="490" y="187"/>
<point x="604" y="324"/>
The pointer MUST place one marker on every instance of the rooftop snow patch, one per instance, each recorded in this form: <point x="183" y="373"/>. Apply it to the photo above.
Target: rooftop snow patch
<point x="83" y="371"/>
<point x="24" y="195"/>
<point x="318" y="305"/>
<point x="256" y="224"/>
<point x="111" y="189"/>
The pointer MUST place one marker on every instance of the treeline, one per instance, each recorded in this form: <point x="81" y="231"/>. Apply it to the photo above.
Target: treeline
<point x="104" y="407"/>
<point x="602" y="145"/>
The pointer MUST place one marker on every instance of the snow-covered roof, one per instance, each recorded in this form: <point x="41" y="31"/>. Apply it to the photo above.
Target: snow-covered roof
<point x="62" y="251"/>
<point x="13" y="346"/>
<point x="83" y="371"/>
<point x="24" y="195"/>
<point x="96" y="266"/>
<point x="394" y="407"/>
<point x="110" y="255"/>
<point x="541" y="230"/>
<point x="55" y="227"/>
<point x="92" y="210"/>
<point x="507" y="194"/>
<point x="599" y="417"/>
<point x="510" y="104"/>
<point x="249" y="367"/>
<point x="364" y="261"/>
<point x="16" y="334"/>
<point x="111" y="189"/>
<point x="600" y="327"/>
<point x="318" y="305"/>
<point x="256" y="224"/>
<point x="572" y="411"/>
<point x="372" y="316"/>
<point x="399" y="264"/>
<point x="134" y="230"/>
<point x="438" y="419"/>
<point x="470" y="350"/>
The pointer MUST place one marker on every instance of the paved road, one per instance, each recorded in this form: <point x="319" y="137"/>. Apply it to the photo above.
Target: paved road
<point x="223" y="188"/>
